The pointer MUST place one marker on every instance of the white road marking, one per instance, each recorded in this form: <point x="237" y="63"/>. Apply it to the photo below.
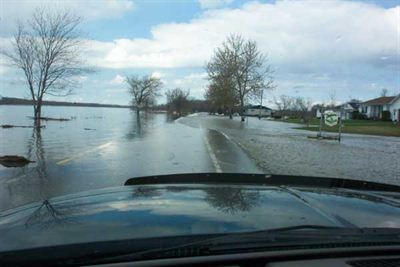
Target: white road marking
<point x="225" y="135"/>
<point x="212" y="156"/>
<point x="79" y="155"/>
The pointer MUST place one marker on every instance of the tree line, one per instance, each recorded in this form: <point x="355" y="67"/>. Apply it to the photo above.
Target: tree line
<point x="48" y="48"/>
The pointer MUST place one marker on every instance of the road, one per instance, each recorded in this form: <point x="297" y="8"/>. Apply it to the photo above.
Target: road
<point x="164" y="149"/>
<point x="278" y="148"/>
<point x="70" y="159"/>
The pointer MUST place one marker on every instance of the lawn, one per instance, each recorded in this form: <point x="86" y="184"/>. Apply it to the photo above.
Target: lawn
<point x="370" y="127"/>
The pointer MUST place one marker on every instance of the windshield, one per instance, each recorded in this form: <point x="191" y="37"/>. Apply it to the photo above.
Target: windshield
<point x="93" y="93"/>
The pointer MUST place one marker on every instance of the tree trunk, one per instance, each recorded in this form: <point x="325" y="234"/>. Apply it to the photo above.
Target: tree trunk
<point x="37" y="113"/>
<point x="242" y="109"/>
<point x="137" y="112"/>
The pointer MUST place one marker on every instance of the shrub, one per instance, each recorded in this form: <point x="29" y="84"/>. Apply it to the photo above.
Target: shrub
<point x="385" y="115"/>
<point x="358" y="116"/>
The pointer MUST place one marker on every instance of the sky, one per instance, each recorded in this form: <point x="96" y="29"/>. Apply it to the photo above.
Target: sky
<point x="317" y="49"/>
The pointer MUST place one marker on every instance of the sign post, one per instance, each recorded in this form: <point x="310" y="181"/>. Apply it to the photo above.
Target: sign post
<point x="320" y="123"/>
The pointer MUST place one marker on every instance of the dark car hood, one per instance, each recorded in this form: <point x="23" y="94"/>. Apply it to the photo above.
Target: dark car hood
<point x="145" y="211"/>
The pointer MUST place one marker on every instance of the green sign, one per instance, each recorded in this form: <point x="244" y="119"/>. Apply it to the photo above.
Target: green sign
<point x="331" y="118"/>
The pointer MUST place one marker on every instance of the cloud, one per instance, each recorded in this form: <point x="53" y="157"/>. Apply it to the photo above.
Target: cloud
<point x="317" y="45"/>
<point x="214" y="3"/>
<point x="195" y="82"/>
<point x="88" y="9"/>
<point x="118" y="79"/>
<point x="297" y="36"/>
<point x="158" y="74"/>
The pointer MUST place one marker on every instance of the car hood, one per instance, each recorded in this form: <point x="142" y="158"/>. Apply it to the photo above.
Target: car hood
<point x="161" y="210"/>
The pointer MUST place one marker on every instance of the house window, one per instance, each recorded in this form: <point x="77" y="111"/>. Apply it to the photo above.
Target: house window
<point x="364" y="109"/>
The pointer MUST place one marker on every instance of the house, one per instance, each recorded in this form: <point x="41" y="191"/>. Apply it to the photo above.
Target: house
<point x="347" y="109"/>
<point x="374" y="108"/>
<point x="258" y="110"/>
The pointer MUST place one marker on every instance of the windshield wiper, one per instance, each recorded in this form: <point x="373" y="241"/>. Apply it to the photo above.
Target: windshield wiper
<point x="287" y="236"/>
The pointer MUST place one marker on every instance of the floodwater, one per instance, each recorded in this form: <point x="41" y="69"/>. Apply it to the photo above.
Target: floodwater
<point x="103" y="147"/>
<point x="278" y="148"/>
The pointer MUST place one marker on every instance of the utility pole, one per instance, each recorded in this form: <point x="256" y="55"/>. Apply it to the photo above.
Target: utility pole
<point x="340" y="123"/>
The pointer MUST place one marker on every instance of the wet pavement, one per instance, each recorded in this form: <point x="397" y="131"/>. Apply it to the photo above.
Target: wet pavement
<point x="69" y="158"/>
<point x="278" y="148"/>
<point x="103" y="147"/>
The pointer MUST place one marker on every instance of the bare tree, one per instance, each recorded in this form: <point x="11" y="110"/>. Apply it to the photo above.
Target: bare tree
<point x="143" y="90"/>
<point x="384" y="92"/>
<point x="47" y="49"/>
<point x="303" y="106"/>
<point x="245" y="68"/>
<point x="332" y="99"/>
<point x="177" y="101"/>
<point x="283" y="104"/>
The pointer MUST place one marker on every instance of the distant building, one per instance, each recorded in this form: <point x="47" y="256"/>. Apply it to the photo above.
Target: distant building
<point x="345" y="110"/>
<point x="258" y="110"/>
<point x="373" y="108"/>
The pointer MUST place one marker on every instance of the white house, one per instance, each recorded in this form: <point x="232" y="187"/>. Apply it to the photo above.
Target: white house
<point x="373" y="108"/>
<point x="258" y="110"/>
<point x="345" y="110"/>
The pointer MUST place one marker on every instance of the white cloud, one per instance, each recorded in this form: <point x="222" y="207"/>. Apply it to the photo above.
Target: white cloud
<point x="158" y="74"/>
<point x="118" y="79"/>
<point x="303" y="35"/>
<point x="195" y="82"/>
<point x="214" y="3"/>
<point x="323" y="43"/>
<point x="12" y="11"/>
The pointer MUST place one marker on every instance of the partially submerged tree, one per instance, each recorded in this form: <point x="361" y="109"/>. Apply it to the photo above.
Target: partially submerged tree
<point x="221" y="98"/>
<point x="177" y="101"/>
<point x="242" y="67"/>
<point x="143" y="90"/>
<point x="47" y="48"/>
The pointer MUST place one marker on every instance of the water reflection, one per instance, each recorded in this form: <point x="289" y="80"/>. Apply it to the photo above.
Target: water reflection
<point x="139" y="125"/>
<point x="35" y="147"/>
<point x="31" y="181"/>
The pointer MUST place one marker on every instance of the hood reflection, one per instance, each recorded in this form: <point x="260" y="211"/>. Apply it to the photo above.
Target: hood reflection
<point x="231" y="200"/>
<point x="48" y="215"/>
<point x="157" y="211"/>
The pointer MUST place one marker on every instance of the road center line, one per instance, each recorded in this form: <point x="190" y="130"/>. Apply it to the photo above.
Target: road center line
<point x="212" y="156"/>
<point x="79" y="155"/>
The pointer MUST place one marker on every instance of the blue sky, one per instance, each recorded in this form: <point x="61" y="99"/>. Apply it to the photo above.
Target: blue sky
<point x="317" y="48"/>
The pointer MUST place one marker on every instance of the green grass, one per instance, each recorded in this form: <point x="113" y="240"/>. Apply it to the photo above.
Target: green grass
<point x="369" y="127"/>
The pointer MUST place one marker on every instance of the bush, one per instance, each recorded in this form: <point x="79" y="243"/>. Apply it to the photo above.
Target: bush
<point x="386" y="115"/>
<point x="358" y="116"/>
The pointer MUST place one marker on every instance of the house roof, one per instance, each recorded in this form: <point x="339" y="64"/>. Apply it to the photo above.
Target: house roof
<point x="258" y="107"/>
<point x="354" y="105"/>
<point x="383" y="100"/>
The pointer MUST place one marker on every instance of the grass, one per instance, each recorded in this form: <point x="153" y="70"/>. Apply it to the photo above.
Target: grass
<point x="369" y="127"/>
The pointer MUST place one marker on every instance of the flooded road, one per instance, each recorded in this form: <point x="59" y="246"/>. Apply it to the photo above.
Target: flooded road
<point x="102" y="147"/>
<point x="278" y="148"/>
